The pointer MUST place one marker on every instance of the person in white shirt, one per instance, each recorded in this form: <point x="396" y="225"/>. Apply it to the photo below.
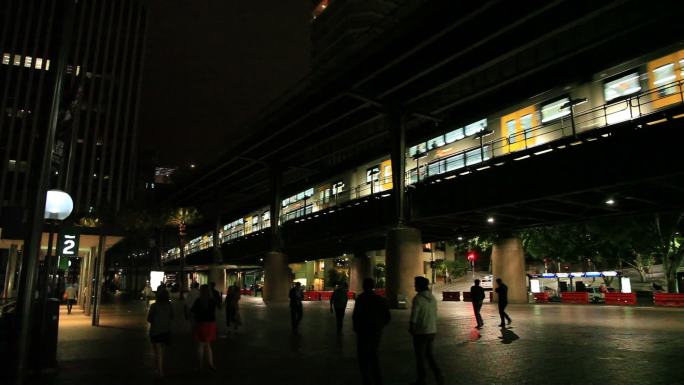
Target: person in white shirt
<point x="70" y="293"/>
<point x="423" y="327"/>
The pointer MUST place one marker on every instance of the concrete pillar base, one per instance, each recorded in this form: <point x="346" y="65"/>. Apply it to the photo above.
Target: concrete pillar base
<point x="508" y="263"/>
<point x="217" y="275"/>
<point x="360" y="268"/>
<point x="277" y="277"/>
<point x="404" y="261"/>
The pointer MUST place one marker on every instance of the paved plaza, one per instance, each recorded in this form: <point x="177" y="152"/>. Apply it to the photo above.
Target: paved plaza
<point x="545" y="344"/>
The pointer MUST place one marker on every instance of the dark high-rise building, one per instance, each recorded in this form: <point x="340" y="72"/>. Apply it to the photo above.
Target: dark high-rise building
<point x="75" y="65"/>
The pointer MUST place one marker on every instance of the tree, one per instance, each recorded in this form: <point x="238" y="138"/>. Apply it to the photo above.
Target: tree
<point x="662" y="237"/>
<point x="180" y="218"/>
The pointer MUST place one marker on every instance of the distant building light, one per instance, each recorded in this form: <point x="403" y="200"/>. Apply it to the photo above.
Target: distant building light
<point x="490" y="220"/>
<point x="610" y="202"/>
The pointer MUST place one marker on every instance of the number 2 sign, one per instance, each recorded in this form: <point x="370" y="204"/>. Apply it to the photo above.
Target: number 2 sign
<point x="68" y="243"/>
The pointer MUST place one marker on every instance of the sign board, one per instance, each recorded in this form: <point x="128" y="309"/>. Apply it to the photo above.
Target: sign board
<point x="67" y="243"/>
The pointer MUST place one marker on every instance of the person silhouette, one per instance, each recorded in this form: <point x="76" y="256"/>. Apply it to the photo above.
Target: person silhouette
<point x="502" y="291"/>
<point x="477" y="295"/>
<point x="423" y="328"/>
<point x="296" y="307"/>
<point x="370" y="316"/>
<point x="338" y="302"/>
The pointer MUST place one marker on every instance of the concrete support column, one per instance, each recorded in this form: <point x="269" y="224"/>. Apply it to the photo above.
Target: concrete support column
<point x="360" y="269"/>
<point x="8" y="287"/>
<point x="89" y="280"/>
<point x="218" y="276"/>
<point x="508" y="263"/>
<point x="404" y="262"/>
<point x="276" y="277"/>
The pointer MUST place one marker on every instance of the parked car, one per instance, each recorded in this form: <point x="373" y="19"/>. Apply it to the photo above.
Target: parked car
<point x="595" y="295"/>
<point x="486" y="282"/>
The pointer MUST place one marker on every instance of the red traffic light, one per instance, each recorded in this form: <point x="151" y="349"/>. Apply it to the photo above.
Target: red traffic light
<point x="471" y="256"/>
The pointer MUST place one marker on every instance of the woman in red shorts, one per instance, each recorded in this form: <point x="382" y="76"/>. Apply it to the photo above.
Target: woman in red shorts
<point x="204" y="314"/>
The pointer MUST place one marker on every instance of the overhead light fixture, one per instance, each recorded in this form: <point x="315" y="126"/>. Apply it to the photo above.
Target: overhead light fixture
<point x="490" y="220"/>
<point x="610" y="201"/>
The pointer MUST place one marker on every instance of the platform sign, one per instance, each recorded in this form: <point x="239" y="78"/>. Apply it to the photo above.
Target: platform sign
<point x="67" y="243"/>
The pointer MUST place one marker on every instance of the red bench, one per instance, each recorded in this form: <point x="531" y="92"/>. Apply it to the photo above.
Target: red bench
<point x="246" y="291"/>
<point x="312" y="296"/>
<point x="451" y="296"/>
<point x="380" y="292"/>
<point x="575" y="297"/>
<point x="351" y="295"/>
<point x="669" y="299"/>
<point x="541" y="297"/>
<point x="621" y="299"/>
<point x="325" y="295"/>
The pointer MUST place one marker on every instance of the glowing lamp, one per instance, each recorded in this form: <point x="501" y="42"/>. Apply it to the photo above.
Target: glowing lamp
<point x="58" y="205"/>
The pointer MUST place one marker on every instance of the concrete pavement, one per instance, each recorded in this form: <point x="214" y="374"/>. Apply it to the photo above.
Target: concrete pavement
<point x="546" y="344"/>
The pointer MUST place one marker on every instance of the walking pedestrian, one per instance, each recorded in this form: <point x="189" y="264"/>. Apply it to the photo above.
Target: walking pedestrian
<point x="477" y="296"/>
<point x="370" y="316"/>
<point x="502" y="292"/>
<point x="147" y="294"/>
<point x="232" y="307"/>
<point x="338" y="302"/>
<point x="70" y="293"/>
<point x="190" y="299"/>
<point x="204" y="315"/>
<point x="423" y="328"/>
<point x="296" y="307"/>
<point x="216" y="295"/>
<point x="160" y="317"/>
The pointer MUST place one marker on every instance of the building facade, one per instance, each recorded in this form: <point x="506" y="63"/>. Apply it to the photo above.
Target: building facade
<point x="75" y="65"/>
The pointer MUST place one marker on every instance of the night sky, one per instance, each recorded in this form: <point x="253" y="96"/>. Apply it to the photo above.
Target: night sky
<point x="211" y="66"/>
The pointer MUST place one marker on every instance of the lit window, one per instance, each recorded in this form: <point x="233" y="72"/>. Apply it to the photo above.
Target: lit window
<point x="372" y="174"/>
<point x="454" y="162"/>
<point x="78" y="70"/>
<point x="510" y="128"/>
<point x="435" y="142"/>
<point x="418" y="150"/>
<point x="454" y="135"/>
<point x="17" y="60"/>
<point x="526" y="125"/>
<point x="39" y="63"/>
<point x="554" y="110"/>
<point x="6" y="58"/>
<point x="309" y="193"/>
<point x="28" y="60"/>
<point x="681" y="68"/>
<point x="623" y="86"/>
<point x="337" y="187"/>
<point x="474" y="128"/>
<point x="664" y="75"/>
<point x="47" y="65"/>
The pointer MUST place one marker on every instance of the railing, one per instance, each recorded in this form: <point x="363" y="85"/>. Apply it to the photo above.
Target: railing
<point x="636" y="106"/>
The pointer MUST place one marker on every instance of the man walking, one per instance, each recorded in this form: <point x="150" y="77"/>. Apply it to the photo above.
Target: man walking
<point x="370" y="315"/>
<point x="338" y="302"/>
<point x="296" y="308"/>
<point x="423" y="328"/>
<point x="477" y="295"/>
<point x="502" y="292"/>
<point x="70" y="295"/>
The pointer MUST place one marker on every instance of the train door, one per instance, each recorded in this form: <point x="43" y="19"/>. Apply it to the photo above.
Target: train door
<point x="386" y="174"/>
<point x="517" y="128"/>
<point x="664" y="78"/>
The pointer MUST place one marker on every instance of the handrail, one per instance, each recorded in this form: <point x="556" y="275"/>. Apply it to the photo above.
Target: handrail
<point x="596" y="117"/>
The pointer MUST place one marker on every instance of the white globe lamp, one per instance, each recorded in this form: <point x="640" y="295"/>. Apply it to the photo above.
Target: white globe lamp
<point x="58" y="205"/>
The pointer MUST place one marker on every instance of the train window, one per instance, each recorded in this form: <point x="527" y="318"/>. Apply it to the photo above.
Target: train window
<point x="418" y="150"/>
<point x="434" y="168"/>
<point x="265" y="217"/>
<point x="337" y="187"/>
<point x="255" y="220"/>
<point x="435" y="142"/>
<point x="510" y="127"/>
<point x="474" y="128"/>
<point x="681" y="68"/>
<point x="372" y="174"/>
<point x="662" y="76"/>
<point x="526" y="125"/>
<point x="454" y="135"/>
<point x="622" y="86"/>
<point x="454" y="162"/>
<point x="555" y="110"/>
<point x="309" y="193"/>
